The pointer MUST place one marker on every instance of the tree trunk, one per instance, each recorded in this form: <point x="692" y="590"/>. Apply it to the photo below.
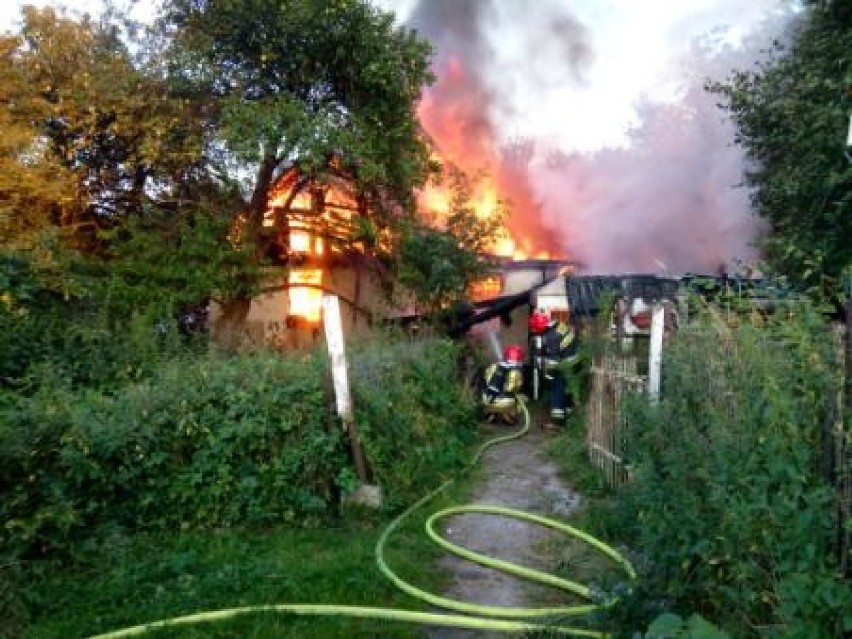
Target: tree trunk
<point x="259" y="202"/>
<point x="230" y="327"/>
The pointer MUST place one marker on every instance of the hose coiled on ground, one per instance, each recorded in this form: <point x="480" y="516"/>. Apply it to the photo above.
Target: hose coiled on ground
<point x="476" y="617"/>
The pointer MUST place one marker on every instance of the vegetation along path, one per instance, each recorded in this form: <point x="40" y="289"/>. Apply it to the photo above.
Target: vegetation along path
<point x="516" y="474"/>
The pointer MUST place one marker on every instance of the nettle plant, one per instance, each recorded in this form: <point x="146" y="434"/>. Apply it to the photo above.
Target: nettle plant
<point x="210" y="442"/>
<point x="730" y="504"/>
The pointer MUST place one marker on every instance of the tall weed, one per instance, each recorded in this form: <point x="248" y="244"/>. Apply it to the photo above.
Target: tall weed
<point x="210" y="442"/>
<point x="415" y="415"/>
<point x="729" y="506"/>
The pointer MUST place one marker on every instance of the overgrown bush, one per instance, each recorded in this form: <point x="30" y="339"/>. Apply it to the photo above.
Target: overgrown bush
<point x="730" y="509"/>
<point x="414" y="413"/>
<point x="212" y="442"/>
<point x="88" y="336"/>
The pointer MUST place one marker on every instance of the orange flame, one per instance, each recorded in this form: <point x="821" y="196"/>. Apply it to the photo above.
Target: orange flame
<point x="485" y="201"/>
<point x="452" y="113"/>
<point x="304" y="294"/>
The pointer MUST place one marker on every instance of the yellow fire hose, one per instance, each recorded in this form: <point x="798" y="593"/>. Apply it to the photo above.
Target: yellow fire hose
<point x="476" y="617"/>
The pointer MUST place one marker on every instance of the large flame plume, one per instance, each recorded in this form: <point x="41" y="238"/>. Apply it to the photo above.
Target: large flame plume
<point x="664" y="200"/>
<point x="453" y="112"/>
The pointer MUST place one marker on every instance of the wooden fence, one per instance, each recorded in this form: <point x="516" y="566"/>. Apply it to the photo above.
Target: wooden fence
<point x="612" y="379"/>
<point x="624" y="365"/>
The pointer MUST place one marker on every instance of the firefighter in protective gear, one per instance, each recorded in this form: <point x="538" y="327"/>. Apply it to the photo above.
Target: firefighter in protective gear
<point x="537" y="327"/>
<point x="502" y="382"/>
<point x="556" y="343"/>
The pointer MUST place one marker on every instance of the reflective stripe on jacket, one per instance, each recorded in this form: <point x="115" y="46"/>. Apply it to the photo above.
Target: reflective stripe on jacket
<point x="503" y="379"/>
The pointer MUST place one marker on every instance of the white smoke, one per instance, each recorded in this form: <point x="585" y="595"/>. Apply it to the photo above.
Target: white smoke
<point x="631" y="164"/>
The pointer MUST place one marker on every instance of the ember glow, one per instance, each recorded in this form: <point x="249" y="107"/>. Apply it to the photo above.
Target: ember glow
<point x="305" y="293"/>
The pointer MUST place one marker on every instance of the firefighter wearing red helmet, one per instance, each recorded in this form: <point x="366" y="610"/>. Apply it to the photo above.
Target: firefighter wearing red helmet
<point x="502" y="382"/>
<point x="539" y="321"/>
<point x="553" y="342"/>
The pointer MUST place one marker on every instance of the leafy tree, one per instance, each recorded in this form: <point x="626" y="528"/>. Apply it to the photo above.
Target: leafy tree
<point x="102" y="171"/>
<point x="139" y="164"/>
<point x="330" y="85"/>
<point x="439" y="261"/>
<point x="87" y="132"/>
<point x="170" y="263"/>
<point x="792" y="114"/>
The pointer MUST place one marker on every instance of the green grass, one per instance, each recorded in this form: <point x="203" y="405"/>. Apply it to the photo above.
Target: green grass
<point x="130" y="580"/>
<point x="570" y="452"/>
<point x="149" y="577"/>
<point x="577" y="560"/>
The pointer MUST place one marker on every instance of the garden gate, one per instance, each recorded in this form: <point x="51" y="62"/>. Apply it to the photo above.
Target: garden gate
<point x="612" y="379"/>
<point x="627" y="363"/>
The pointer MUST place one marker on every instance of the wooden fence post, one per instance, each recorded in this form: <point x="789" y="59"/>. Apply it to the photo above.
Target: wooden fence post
<point x="343" y="399"/>
<point x="655" y="352"/>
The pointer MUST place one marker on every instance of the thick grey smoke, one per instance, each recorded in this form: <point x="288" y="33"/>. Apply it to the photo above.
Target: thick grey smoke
<point x="672" y="201"/>
<point x="461" y="110"/>
<point x="668" y="201"/>
<point x="453" y="26"/>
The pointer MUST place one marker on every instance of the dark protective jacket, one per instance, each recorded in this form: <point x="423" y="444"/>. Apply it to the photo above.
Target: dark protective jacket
<point x="559" y="343"/>
<point x="502" y="380"/>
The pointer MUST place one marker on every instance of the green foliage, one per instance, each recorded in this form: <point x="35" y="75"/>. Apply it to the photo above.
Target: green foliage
<point x="210" y="442"/>
<point x="48" y="339"/>
<point x="570" y="450"/>
<point x="306" y="81"/>
<point x="102" y="183"/>
<point x="414" y="415"/>
<point x="792" y="118"/>
<point x="194" y="446"/>
<point x="438" y="263"/>
<point x="107" y="319"/>
<point x="86" y="131"/>
<point x="167" y="262"/>
<point x="729" y="510"/>
<point x="670" y="626"/>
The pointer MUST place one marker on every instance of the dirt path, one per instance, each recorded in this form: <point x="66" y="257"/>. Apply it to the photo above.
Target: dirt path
<point x="519" y="475"/>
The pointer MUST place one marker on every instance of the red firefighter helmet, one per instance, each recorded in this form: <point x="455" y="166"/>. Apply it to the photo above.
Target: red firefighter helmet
<point x="539" y="321"/>
<point x="514" y="354"/>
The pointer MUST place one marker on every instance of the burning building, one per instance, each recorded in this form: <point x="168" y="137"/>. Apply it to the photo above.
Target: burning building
<point x="311" y="230"/>
<point x="311" y="227"/>
<point x="313" y="222"/>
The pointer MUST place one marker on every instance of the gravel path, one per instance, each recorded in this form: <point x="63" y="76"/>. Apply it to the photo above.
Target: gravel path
<point x="519" y="475"/>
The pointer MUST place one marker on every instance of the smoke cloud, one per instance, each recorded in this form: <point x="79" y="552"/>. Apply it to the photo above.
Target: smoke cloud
<point x="461" y="111"/>
<point x="665" y="200"/>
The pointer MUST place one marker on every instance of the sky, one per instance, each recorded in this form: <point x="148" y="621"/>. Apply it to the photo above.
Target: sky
<point x="591" y="117"/>
<point x="636" y="52"/>
<point x="10" y="10"/>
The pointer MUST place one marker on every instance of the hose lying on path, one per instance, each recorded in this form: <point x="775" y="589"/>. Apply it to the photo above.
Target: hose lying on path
<point x="476" y="616"/>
